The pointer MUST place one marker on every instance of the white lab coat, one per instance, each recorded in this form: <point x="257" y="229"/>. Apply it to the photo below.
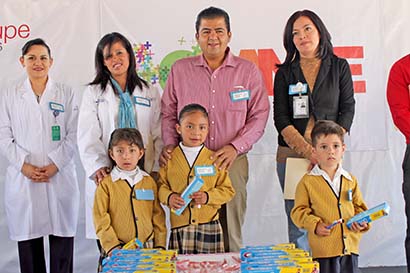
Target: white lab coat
<point x="39" y="209"/>
<point x="98" y="119"/>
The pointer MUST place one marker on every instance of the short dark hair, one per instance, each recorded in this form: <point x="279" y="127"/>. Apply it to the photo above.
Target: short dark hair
<point x="211" y="13"/>
<point x="132" y="136"/>
<point x="326" y="127"/>
<point x="189" y="108"/>
<point x="37" y="41"/>
<point x="325" y="43"/>
<point x="103" y="74"/>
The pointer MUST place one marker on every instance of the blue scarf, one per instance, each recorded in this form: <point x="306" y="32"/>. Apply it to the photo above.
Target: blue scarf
<point x="126" y="112"/>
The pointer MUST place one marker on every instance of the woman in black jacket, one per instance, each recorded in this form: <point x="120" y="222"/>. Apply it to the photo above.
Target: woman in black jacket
<point x="311" y="84"/>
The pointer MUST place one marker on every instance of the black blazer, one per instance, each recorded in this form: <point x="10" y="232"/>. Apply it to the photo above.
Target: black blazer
<point x="331" y="99"/>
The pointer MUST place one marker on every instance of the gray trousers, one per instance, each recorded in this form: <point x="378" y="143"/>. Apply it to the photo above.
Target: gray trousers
<point x="232" y="214"/>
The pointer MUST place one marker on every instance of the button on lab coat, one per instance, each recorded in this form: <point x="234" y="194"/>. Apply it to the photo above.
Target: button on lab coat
<point x="39" y="209"/>
<point x="98" y="119"/>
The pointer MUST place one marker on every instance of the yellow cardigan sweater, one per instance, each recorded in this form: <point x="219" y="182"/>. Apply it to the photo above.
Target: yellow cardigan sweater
<point x="176" y="176"/>
<point x="119" y="217"/>
<point x="315" y="201"/>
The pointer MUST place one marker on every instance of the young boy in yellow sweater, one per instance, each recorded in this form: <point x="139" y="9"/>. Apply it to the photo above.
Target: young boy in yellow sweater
<point x="197" y="229"/>
<point x="325" y="194"/>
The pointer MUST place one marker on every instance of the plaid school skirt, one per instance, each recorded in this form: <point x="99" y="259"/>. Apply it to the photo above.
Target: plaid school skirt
<point x="198" y="239"/>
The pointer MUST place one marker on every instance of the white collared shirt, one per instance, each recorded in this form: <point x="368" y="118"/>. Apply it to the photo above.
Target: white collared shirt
<point x="133" y="177"/>
<point x="335" y="183"/>
<point x="190" y="152"/>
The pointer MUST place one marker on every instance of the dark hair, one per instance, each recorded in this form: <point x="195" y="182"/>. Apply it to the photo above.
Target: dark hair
<point x="103" y="74"/>
<point x="211" y="13"/>
<point x="133" y="136"/>
<point x="189" y="108"/>
<point x="326" y="127"/>
<point x="33" y="42"/>
<point x="325" y="44"/>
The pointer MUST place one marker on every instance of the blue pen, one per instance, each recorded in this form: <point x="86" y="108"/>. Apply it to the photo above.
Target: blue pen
<point x="336" y="222"/>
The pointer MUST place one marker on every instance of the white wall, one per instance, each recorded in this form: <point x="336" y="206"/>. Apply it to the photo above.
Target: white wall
<point x="375" y="147"/>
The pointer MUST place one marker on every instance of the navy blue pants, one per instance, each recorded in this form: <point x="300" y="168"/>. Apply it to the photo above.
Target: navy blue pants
<point x="340" y="264"/>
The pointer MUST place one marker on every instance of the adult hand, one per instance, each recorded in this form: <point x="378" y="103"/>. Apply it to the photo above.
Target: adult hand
<point x="224" y="157"/>
<point x="100" y="174"/>
<point x="155" y="176"/>
<point x="166" y="155"/>
<point x="313" y="162"/>
<point x="49" y="170"/>
<point x="176" y="201"/>
<point x="356" y="227"/>
<point x="33" y="173"/>
<point x="321" y="229"/>
<point x="199" y="197"/>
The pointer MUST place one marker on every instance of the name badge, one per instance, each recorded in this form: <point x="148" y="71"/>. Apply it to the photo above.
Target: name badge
<point x="300" y="107"/>
<point x="240" y="95"/>
<point x="299" y="88"/>
<point x="142" y="101"/>
<point x="56" y="106"/>
<point x="55" y="133"/>
<point x="141" y="194"/>
<point x="208" y="170"/>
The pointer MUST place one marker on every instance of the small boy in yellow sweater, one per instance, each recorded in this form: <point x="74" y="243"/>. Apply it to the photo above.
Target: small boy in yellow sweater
<point x="325" y="194"/>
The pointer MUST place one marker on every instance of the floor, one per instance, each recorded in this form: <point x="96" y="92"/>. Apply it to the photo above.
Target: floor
<point x="396" y="269"/>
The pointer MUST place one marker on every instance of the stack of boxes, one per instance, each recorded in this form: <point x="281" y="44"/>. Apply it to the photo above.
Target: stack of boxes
<point x="141" y="260"/>
<point x="281" y="258"/>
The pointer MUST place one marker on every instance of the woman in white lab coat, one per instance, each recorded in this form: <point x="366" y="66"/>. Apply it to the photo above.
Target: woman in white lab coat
<point x="101" y="112"/>
<point x="38" y="120"/>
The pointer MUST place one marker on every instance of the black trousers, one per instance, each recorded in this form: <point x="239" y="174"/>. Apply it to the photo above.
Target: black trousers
<point x="31" y="255"/>
<point x="341" y="264"/>
<point x="406" y="194"/>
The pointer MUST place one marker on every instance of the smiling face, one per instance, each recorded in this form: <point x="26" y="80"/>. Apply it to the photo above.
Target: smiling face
<point x="126" y="155"/>
<point x="328" y="151"/>
<point x="193" y="128"/>
<point x="117" y="60"/>
<point x="306" y="37"/>
<point x="37" y="62"/>
<point x="213" y="38"/>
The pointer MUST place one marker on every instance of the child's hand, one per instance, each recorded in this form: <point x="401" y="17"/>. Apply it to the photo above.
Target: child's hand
<point x="199" y="197"/>
<point x="110" y="253"/>
<point x="356" y="227"/>
<point x="321" y="229"/>
<point x="175" y="201"/>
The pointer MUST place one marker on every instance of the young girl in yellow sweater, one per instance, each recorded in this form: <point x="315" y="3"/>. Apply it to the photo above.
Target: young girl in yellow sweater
<point x="197" y="229"/>
<point x="126" y="204"/>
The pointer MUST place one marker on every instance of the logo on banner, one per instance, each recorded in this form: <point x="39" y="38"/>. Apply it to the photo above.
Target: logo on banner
<point x="265" y="59"/>
<point x="11" y="32"/>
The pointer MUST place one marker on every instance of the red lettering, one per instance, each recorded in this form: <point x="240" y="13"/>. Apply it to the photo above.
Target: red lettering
<point x="6" y="33"/>
<point x="266" y="60"/>
<point x="11" y="31"/>
<point x="24" y="31"/>
<point x="353" y="52"/>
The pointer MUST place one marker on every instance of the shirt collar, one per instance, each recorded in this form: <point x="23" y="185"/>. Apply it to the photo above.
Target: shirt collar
<point x="118" y="174"/>
<point x="317" y="171"/>
<point x="228" y="61"/>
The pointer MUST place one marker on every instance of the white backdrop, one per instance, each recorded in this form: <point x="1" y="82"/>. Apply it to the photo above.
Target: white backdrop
<point x="375" y="148"/>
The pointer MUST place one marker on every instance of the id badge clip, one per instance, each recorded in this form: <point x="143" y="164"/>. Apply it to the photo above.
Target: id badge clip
<point x="301" y="102"/>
